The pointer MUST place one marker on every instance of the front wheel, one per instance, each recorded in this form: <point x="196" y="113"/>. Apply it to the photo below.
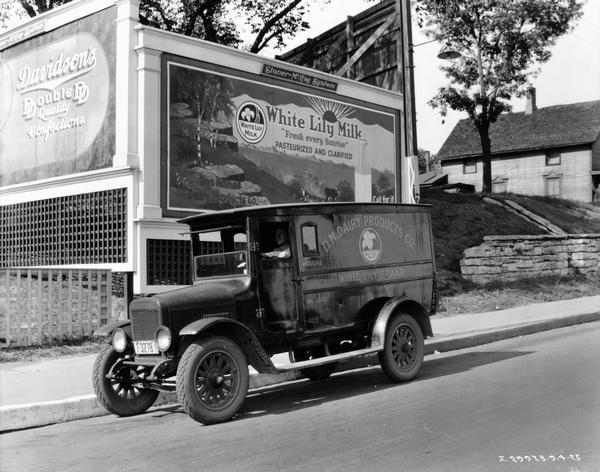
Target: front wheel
<point x="212" y="380"/>
<point x="404" y="348"/>
<point x="120" y="392"/>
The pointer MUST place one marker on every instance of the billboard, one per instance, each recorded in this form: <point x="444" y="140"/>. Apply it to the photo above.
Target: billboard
<point x="236" y="140"/>
<point x="57" y="101"/>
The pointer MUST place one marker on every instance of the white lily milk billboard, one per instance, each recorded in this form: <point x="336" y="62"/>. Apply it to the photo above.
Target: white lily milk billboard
<point x="57" y="101"/>
<point x="237" y="139"/>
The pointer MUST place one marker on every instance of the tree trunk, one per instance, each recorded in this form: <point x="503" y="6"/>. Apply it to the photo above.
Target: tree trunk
<point x="486" y="152"/>
<point x="199" y="134"/>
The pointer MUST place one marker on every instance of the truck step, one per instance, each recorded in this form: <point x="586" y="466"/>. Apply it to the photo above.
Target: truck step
<point x="327" y="359"/>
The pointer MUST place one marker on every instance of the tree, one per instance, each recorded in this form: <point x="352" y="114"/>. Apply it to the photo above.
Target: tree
<point x="205" y="19"/>
<point x="207" y="95"/>
<point x="345" y="191"/>
<point x="383" y="182"/>
<point x="424" y="159"/>
<point x="270" y="20"/>
<point x="502" y="43"/>
<point x="213" y="20"/>
<point x="37" y="7"/>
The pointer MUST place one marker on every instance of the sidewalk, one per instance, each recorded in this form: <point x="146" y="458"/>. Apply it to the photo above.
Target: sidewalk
<point x="57" y="390"/>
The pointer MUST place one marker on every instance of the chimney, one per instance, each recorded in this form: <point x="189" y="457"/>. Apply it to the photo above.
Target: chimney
<point x="531" y="106"/>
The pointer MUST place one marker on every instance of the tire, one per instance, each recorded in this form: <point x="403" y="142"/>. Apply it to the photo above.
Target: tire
<point x="212" y="380"/>
<point x="404" y="348"/>
<point x="118" y="394"/>
<point x="319" y="372"/>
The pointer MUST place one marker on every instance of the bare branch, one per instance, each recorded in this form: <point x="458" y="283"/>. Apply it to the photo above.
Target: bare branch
<point x="28" y="8"/>
<point x="257" y="46"/>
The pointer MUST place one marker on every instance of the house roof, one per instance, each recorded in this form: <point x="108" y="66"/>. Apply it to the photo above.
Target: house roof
<point x="432" y="178"/>
<point x="549" y="127"/>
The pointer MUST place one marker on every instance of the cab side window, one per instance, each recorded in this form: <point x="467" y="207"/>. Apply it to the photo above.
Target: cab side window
<point x="309" y="240"/>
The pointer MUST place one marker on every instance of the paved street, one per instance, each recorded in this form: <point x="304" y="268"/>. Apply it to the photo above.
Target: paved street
<point x="529" y="403"/>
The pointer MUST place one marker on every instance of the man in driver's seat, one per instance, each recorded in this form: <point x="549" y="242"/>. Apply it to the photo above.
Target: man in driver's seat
<point x="282" y="251"/>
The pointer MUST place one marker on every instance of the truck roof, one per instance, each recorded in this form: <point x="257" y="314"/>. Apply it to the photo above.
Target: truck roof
<point x="216" y="217"/>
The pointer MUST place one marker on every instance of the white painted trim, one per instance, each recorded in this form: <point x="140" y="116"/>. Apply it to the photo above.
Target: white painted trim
<point x="193" y="48"/>
<point x="73" y="184"/>
<point x="153" y="228"/>
<point x="149" y="133"/>
<point x="162" y="224"/>
<point x="55" y="18"/>
<point x="76" y="184"/>
<point x="126" y="125"/>
<point x="114" y="267"/>
<point x="161" y="288"/>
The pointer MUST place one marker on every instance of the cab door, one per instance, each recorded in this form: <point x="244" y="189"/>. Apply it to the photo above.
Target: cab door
<point x="278" y="277"/>
<point x="317" y="288"/>
<point x="331" y="296"/>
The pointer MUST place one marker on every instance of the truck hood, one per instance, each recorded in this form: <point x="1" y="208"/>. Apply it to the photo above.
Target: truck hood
<point x="207" y="294"/>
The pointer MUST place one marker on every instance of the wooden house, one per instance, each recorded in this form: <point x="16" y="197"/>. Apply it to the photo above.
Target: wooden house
<point x="552" y="151"/>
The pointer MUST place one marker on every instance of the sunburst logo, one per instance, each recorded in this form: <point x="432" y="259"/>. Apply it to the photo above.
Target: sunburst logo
<point x="330" y="111"/>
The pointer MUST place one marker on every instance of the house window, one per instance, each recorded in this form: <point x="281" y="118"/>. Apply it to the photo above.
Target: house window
<point x="499" y="185"/>
<point x="553" y="186"/>
<point x="470" y="167"/>
<point x="553" y="159"/>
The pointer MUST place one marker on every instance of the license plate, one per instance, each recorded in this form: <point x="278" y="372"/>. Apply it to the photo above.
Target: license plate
<point x="145" y="347"/>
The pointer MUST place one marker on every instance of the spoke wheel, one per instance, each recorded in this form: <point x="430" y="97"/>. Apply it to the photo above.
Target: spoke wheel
<point x="117" y="385"/>
<point x="212" y="379"/>
<point x="404" y="348"/>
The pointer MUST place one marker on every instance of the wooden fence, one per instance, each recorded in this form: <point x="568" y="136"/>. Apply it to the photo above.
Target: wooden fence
<point x="41" y="306"/>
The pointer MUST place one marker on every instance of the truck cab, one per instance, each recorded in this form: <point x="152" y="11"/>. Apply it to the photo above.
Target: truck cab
<point x="323" y="282"/>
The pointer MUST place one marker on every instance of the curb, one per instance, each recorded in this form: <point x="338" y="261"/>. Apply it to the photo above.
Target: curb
<point x="453" y="343"/>
<point x="33" y="415"/>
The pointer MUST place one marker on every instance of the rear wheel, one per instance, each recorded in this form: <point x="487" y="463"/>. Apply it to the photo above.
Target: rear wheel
<point x="319" y="372"/>
<point x="117" y="386"/>
<point x="212" y="380"/>
<point x="404" y="348"/>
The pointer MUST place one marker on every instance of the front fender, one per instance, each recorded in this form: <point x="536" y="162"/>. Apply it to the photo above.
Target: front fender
<point x="254" y="351"/>
<point x="407" y="305"/>
<point x="196" y="327"/>
<point x="107" y="330"/>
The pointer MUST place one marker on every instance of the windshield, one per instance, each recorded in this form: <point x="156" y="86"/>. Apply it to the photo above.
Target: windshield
<point x="220" y="253"/>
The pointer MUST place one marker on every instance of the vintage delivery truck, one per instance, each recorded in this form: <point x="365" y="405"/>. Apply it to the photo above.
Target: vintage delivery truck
<point x="324" y="282"/>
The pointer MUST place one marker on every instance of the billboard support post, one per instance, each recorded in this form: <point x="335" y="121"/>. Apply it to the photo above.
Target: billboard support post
<point x="149" y="128"/>
<point x="126" y="152"/>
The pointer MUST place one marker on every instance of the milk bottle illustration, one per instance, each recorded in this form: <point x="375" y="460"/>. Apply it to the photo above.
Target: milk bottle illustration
<point x="362" y="175"/>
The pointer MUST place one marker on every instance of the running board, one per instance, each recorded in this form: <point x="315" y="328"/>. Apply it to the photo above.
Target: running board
<point x="327" y="359"/>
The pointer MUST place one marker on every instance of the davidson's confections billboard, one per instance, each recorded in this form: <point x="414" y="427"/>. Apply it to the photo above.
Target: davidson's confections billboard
<point x="236" y="141"/>
<point x="57" y="101"/>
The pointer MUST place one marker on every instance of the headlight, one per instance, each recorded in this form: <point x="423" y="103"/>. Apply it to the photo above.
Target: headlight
<point x="163" y="338"/>
<point x="119" y="340"/>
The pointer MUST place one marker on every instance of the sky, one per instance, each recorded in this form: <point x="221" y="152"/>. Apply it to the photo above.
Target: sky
<point x="572" y="74"/>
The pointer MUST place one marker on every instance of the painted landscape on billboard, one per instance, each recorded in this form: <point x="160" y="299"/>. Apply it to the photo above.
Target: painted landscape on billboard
<point x="235" y="142"/>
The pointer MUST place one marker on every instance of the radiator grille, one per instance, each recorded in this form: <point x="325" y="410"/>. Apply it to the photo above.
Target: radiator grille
<point x="144" y="323"/>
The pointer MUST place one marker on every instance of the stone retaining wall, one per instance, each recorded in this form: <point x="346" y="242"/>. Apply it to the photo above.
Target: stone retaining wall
<point x="515" y="257"/>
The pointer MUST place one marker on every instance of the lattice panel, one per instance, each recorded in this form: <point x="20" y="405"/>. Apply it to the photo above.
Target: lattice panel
<point x="168" y="262"/>
<point x="77" y="229"/>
